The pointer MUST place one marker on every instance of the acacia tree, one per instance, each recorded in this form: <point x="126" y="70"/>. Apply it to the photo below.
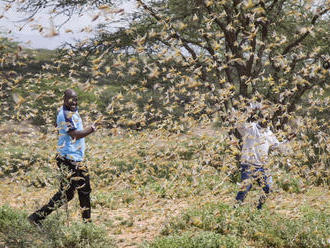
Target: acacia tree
<point x="273" y="49"/>
<point x="207" y="56"/>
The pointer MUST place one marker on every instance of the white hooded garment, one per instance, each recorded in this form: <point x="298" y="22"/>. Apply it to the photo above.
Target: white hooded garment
<point x="256" y="143"/>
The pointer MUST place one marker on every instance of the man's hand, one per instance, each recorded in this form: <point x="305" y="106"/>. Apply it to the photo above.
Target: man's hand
<point x="291" y="136"/>
<point x="93" y="128"/>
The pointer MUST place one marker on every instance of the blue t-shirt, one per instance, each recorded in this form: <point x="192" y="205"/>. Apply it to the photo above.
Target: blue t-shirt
<point x="68" y="147"/>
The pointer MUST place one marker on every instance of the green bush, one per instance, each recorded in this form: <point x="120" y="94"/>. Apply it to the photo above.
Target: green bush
<point x="77" y="235"/>
<point x="16" y="231"/>
<point x="263" y="228"/>
<point x="201" y="240"/>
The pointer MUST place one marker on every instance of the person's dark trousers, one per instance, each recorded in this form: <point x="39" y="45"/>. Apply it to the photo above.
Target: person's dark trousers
<point x="258" y="173"/>
<point x="74" y="177"/>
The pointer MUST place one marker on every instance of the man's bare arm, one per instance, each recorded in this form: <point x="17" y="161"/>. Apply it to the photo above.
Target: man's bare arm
<point x="75" y="134"/>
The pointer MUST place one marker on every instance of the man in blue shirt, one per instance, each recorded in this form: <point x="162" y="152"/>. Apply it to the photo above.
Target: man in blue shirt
<point x="71" y="149"/>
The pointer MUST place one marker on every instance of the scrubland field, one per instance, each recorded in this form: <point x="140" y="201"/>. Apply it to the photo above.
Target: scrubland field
<point x="154" y="189"/>
<point x="168" y="86"/>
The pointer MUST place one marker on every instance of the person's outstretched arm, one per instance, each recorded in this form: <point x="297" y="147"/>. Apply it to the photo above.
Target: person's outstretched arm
<point x="283" y="146"/>
<point x="75" y="134"/>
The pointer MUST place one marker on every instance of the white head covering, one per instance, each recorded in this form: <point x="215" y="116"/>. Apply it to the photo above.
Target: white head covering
<point x="255" y="106"/>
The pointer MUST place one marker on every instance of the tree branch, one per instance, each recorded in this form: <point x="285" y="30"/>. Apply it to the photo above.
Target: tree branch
<point x="303" y="36"/>
<point x="175" y="34"/>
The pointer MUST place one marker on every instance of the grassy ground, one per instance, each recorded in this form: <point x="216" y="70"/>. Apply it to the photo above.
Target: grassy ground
<point x="154" y="189"/>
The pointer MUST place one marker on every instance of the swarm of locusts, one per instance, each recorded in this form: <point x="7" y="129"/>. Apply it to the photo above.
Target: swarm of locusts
<point x="171" y="67"/>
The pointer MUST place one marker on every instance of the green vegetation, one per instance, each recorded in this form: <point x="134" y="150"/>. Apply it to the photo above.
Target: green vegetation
<point x="199" y="240"/>
<point x="220" y="225"/>
<point x="139" y="176"/>
<point x="15" y="231"/>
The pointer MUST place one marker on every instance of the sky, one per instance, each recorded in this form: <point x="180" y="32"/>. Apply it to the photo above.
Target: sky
<point x="27" y="34"/>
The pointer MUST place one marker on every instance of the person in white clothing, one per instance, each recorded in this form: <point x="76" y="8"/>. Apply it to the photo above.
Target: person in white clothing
<point x="258" y="140"/>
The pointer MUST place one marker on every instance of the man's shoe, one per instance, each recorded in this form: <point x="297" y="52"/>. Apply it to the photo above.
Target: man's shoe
<point x="87" y="221"/>
<point x="238" y="204"/>
<point x="261" y="202"/>
<point x="259" y="206"/>
<point x="35" y="220"/>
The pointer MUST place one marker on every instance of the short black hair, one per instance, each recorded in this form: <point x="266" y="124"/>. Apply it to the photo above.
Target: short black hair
<point x="69" y="93"/>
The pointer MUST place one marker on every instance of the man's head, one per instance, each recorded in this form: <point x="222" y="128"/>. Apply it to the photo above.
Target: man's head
<point x="70" y="100"/>
<point x="259" y="113"/>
